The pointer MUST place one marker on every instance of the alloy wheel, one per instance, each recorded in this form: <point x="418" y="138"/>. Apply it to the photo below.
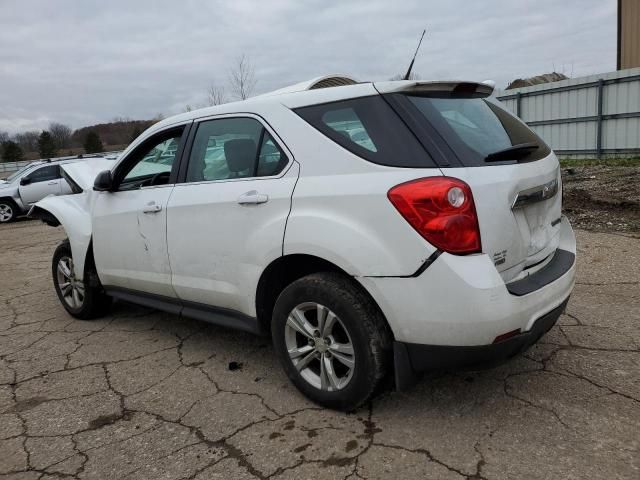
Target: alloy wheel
<point x="6" y="212"/>
<point x="72" y="290"/>
<point x="319" y="346"/>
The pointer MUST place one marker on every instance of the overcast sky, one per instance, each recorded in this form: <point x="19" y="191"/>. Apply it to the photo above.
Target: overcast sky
<point x="83" y="62"/>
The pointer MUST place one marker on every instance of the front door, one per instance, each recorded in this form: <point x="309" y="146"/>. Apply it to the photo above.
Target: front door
<point x="129" y="223"/>
<point x="226" y="221"/>
<point x="40" y="183"/>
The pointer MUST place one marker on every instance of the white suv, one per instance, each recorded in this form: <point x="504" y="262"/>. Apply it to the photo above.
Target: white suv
<point x="371" y="229"/>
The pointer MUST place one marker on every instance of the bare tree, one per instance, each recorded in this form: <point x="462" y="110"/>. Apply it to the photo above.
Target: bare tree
<point x="242" y="78"/>
<point x="28" y="141"/>
<point x="187" y="108"/>
<point x="61" y="134"/>
<point x="216" y="95"/>
<point x="4" y="136"/>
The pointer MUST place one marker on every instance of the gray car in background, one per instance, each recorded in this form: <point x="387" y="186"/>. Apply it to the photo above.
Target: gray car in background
<point x="31" y="184"/>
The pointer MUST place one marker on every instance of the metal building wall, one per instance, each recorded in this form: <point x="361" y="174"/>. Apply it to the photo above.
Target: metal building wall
<point x="589" y="116"/>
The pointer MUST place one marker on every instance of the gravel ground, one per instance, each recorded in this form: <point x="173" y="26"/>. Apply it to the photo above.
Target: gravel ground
<point x="603" y="199"/>
<point x="142" y="394"/>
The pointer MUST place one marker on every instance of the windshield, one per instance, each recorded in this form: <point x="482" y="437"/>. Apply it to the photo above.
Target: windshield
<point x="15" y="175"/>
<point x="477" y="127"/>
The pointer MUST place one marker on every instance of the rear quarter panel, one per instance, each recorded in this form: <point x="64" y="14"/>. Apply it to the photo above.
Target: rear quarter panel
<point x="340" y="211"/>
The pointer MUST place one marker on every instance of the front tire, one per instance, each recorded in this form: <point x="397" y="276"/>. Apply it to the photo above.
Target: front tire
<point x="8" y="211"/>
<point x="79" y="297"/>
<point x="331" y="340"/>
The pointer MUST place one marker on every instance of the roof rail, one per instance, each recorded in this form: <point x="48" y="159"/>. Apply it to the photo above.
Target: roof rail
<point x="326" y="81"/>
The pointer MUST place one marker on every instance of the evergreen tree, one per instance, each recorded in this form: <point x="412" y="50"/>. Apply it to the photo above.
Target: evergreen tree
<point x="11" y="152"/>
<point x="92" y="143"/>
<point x="46" y="145"/>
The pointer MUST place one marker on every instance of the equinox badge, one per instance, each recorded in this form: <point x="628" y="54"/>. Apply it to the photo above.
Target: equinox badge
<point x="536" y="194"/>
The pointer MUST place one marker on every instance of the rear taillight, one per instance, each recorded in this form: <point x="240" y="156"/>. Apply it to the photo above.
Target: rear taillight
<point x="441" y="209"/>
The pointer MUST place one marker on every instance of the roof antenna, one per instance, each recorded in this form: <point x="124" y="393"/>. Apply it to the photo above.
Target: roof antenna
<point x="408" y="74"/>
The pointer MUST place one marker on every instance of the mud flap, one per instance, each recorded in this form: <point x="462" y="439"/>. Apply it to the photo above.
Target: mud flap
<point x="403" y="370"/>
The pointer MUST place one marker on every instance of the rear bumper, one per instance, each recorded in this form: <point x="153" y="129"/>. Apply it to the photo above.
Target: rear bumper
<point x="412" y="358"/>
<point x="463" y="300"/>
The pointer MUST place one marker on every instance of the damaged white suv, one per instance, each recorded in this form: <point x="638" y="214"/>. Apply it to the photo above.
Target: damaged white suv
<point x="370" y="229"/>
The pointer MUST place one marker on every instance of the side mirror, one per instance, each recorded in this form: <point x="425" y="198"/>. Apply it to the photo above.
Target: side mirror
<point x="103" y="182"/>
<point x="25" y="181"/>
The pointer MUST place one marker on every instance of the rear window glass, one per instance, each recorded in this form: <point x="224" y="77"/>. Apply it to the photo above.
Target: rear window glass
<point x="369" y="128"/>
<point x="477" y="127"/>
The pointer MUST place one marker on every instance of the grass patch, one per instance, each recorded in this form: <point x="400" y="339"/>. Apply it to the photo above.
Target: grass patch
<point x="605" y="162"/>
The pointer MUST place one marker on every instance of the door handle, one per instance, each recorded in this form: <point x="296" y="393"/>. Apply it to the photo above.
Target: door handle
<point x="152" y="208"/>
<point x="53" y="183"/>
<point x="253" y="198"/>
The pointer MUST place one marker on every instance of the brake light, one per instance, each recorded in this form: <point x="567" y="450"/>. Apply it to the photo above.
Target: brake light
<point x="441" y="209"/>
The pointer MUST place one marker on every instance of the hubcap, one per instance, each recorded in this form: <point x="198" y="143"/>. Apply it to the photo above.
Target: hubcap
<point x="6" y="212"/>
<point x="71" y="288"/>
<point x="319" y="346"/>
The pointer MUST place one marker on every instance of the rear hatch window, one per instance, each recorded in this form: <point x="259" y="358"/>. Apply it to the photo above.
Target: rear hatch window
<point x="478" y="130"/>
<point x="446" y="129"/>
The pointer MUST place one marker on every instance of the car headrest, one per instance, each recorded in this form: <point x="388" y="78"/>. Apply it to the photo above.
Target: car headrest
<point x="240" y="154"/>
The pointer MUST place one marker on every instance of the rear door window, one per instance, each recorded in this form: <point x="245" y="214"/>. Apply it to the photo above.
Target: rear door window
<point x="231" y="148"/>
<point x="369" y="128"/>
<point x="476" y="127"/>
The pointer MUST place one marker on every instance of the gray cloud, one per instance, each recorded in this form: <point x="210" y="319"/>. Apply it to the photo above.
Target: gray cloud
<point x="84" y="62"/>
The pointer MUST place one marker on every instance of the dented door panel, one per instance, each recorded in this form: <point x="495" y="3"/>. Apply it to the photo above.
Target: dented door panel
<point x="130" y="244"/>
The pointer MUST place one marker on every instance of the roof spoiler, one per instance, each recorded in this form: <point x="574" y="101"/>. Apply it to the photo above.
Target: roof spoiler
<point x="483" y="89"/>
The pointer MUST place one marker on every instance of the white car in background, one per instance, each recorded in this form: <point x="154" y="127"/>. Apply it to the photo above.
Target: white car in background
<point x="32" y="183"/>
<point x="370" y="229"/>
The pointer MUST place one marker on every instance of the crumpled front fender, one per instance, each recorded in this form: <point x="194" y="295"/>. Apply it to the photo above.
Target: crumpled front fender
<point x="11" y="191"/>
<point x="73" y="213"/>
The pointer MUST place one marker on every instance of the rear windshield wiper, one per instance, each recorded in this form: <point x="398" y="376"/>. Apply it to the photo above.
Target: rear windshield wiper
<point x="515" y="152"/>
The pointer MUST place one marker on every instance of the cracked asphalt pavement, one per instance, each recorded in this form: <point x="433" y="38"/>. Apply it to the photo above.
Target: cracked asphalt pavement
<point x="143" y="394"/>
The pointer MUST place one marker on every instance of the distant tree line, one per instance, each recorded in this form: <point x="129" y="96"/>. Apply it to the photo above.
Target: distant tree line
<point x="60" y="140"/>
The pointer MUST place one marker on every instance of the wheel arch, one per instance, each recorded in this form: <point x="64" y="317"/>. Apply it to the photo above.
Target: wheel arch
<point x="285" y="270"/>
<point x="12" y="202"/>
<point x="70" y="213"/>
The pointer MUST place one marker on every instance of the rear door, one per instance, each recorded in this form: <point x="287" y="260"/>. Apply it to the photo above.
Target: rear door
<point x="226" y="221"/>
<point x="513" y="174"/>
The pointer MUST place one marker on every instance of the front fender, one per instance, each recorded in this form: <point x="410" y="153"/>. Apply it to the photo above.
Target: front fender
<point x="13" y="193"/>
<point x="73" y="213"/>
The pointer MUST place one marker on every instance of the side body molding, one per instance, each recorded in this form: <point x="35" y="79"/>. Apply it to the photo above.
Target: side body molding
<point x="73" y="213"/>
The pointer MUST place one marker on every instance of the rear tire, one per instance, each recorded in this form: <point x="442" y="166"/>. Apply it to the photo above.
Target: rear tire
<point x="331" y="340"/>
<point x="84" y="299"/>
<point x="8" y="211"/>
